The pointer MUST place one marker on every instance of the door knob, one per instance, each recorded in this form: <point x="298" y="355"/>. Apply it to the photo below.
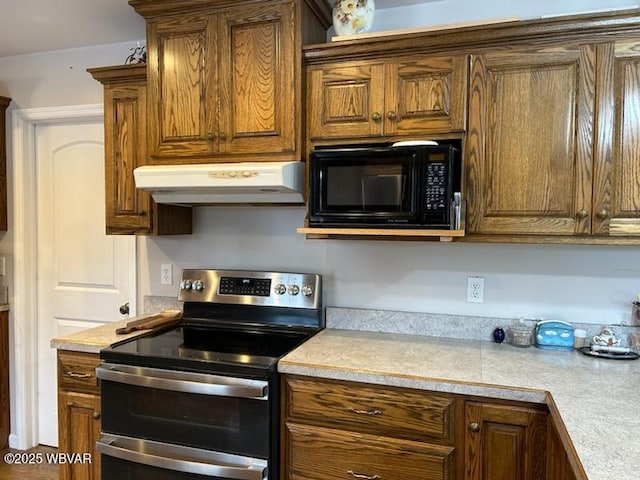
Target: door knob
<point x="96" y="415"/>
<point x="474" y="427"/>
<point x="602" y="214"/>
<point x="375" y="116"/>
<point x="582" y="214"/>
<point x="124" y="309"/>
<point x="392" y="115"/>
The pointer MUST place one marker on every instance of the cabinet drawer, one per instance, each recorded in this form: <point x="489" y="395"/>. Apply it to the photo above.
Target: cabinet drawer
<point x="395" y="412"/>
<point x="77" y="371"/>
<point x="317" y="453"/>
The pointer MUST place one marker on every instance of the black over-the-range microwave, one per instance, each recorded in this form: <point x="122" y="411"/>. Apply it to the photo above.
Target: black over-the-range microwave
<point x="401" y="185"/>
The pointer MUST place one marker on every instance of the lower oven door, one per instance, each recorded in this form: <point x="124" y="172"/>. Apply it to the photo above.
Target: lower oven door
<point x="208" y="412"/>
<point x="129" y="458"/>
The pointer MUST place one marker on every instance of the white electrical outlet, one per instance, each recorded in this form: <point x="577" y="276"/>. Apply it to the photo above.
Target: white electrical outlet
<point x="475" y="289"/>
<point x="166" y="274"/>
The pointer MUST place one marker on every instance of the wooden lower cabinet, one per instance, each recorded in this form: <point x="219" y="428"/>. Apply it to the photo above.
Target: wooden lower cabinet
<point x="560" y="464"/>
<point x="329" y="454"/>
<point x="337" y="430"/>
<point x="505" y="442"/>
<point x="340" y="430"/>
<point x="78" y="413"/>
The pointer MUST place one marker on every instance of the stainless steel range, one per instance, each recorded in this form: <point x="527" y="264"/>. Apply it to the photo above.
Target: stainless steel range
<point x="201" y="400"/>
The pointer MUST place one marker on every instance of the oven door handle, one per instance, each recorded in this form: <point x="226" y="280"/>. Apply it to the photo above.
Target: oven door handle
<point x="187" y="382"/>
<point x="182" y="459"/>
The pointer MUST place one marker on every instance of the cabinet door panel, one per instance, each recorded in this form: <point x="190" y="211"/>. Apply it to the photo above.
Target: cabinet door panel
<point x="617" y="189"/>
<point x="344" y="100"/>
<point x="426" y="95"/>
<point x="79" y="424"/>
<point x="507" y="443"/>
<point x="529" y="145"/>
<point x="258" y="110"/>
<point x="182" y="81"/>
<point x="127" y="208"/>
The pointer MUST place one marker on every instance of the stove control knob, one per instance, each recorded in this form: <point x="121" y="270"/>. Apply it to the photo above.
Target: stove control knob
<point x="280" y="289"/>
<point x="307" y="290"/>
<point x="185" y="284"/>
<point x="198" y="285"/>
<point x="294" y="289"/>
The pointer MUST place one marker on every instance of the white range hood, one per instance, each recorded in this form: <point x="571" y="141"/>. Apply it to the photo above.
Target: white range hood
<point x="249" y="182"/>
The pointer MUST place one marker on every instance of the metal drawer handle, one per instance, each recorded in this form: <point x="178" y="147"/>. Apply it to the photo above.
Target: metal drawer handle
<point x="364" y="412"/>
<point x="78" y="375"/>
<point x="187" y="382"/>
<point x="363" y="476"/>
<point x="183" y="459"/>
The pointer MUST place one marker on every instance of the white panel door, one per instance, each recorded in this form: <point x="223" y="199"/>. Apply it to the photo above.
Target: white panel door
<point x="83" y="274"/>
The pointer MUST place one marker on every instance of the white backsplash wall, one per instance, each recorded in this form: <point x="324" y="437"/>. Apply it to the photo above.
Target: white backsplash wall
<point x="584" y="284"/>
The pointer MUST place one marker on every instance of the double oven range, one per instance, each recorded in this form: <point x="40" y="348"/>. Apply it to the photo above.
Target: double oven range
<point x="200" y="401"/>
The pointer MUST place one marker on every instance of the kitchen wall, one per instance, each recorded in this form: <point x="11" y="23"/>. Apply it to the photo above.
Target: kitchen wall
<point x="441" y="12"/>
<point x="575" y="283"/>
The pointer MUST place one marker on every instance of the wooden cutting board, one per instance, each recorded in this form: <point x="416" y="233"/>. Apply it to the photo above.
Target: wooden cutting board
<point x="166" y="317"/>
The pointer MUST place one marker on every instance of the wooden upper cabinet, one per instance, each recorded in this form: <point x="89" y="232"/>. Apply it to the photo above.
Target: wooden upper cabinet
<point x="127" y="209"/>
<point x="504" y="442"/>
<point x="616" y="196"/>
<point x="182" y="67"/>
<point x="258" y="110"/>
<point x="529" y="147"/>
<point x="225" y="80"/>
<point x="4" y="104"/>
<point x="409" y="96"/>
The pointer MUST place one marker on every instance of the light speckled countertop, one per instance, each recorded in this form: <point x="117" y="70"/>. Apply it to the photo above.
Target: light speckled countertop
<point x="92" y="340"/>
<point x="598" y="399"/>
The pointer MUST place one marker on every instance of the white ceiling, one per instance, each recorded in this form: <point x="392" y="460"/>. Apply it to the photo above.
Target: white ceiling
<point x="30" y="26"/>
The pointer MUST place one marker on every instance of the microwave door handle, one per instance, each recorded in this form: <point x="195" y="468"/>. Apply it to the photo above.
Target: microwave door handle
<point x="188" y="382"/>
<point x="182" y="459"/>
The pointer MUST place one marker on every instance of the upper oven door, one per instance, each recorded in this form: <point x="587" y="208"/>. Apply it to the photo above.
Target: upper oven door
<point x="364" y="186"/>
<point x="223" y="414"/>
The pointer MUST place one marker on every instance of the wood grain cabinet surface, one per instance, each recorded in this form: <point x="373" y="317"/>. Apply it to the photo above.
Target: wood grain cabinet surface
<point x="529" y="147"/>
<point x="127" y="209"/>
<point x="78" y="413"/>
<point x="225" y="78"/>
<point x="553" y="144"/>
<point x="504" y="442"/>
<point x="348" y="430"/>
<point x="4" y="104"/>
<point x="419" y="95"/>
<point x="339" y="430"/>
<point x="616" y="190"/>
<point x="546" y="110"/>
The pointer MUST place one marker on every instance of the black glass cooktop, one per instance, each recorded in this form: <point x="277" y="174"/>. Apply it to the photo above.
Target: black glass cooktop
<point x="245" y="352"/>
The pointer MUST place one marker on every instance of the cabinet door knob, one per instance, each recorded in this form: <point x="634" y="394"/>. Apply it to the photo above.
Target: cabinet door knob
<point x="474" y="427"/>
<point x="582" y="214"/>
<point x="96" y="415"/>
<point x="209" y="136"/>
<point x="602" y="214"/>
<point x="376" y="117"/>
<point x="392" y="115"/>
<point x="124" y="309"/>
<point x="223" y="136"/>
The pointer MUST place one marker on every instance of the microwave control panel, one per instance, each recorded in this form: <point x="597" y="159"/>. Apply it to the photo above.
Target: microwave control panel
<point x="436" y="198"/>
